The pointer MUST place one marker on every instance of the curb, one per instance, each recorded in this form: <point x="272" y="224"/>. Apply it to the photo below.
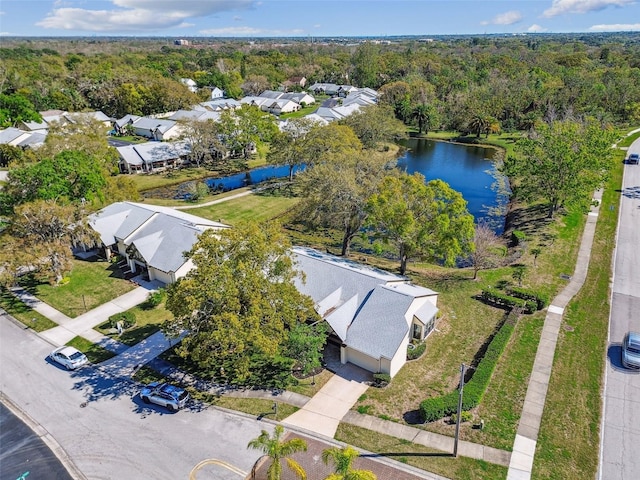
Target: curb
<point x="45" y="436"/>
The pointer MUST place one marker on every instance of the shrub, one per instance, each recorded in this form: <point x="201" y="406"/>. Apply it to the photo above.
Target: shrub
<point x="500" y="299"/>
<point x="154" y="299"/>
<point x="541" y="300"/>
<point x="364" y="409"/>
<point x="416" y="351"/>
<point x="381" y="379"/>
<point x="435" y="408"/>
<point x="517" y="237"/>
<point x="465" y="416"/>
<point x="127" y="318"/>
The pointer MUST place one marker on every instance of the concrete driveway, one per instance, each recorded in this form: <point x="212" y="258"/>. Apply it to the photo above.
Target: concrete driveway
<point x="323" y="412"/>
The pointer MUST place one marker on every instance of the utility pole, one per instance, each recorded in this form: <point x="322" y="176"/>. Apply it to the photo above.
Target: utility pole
<point x="455" y="441"/>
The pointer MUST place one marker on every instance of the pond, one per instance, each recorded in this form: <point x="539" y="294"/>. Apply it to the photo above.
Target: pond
<point x="469" y="169"/>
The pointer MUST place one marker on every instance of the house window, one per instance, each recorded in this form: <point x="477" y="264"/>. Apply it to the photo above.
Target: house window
<point x="417" y="331"/>
<point x="431" y="324"/>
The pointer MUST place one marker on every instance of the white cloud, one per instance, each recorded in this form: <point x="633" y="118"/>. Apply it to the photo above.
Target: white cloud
<point x="616" y="27"/>
<point x="249" y="31"/>
<point x="507" y="18"/>
<point x="559" y="7"/>
<point x="535" y="28"/>
<point x="138" y="15"/>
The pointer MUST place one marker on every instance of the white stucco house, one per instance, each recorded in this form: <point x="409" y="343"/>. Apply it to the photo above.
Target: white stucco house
<point x="373" y="314"/>
<point x="150" y="238"/>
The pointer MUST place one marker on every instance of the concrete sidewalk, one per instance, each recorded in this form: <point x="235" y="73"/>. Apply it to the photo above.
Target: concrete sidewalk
<point x="524" y="447"/>
<point x="82" y="325"/>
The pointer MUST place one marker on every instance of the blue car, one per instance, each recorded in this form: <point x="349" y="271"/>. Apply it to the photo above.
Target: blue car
<point x="633" y="159"/>
<point x="166" y="395"/>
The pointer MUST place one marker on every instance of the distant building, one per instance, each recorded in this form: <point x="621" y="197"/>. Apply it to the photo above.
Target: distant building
<point x="181" y="42"/>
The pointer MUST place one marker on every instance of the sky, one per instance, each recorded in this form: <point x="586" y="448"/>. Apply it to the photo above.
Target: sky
<point x="313" y="18"/>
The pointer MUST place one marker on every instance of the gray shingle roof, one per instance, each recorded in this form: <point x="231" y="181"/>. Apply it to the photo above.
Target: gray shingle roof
<point x="380" y="324"/>
<point x="160" y="234"/>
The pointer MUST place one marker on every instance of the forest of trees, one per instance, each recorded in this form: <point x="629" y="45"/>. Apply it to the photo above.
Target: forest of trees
<point x="471" y="84"/>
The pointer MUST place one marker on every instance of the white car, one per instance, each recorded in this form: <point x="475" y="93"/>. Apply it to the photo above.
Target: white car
<point x="69" y="357"/>
<point x="166" y="395"/>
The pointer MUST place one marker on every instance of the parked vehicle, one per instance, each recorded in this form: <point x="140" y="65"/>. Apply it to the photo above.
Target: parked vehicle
<point x="69" y="357"/>
<point x="631" y="350"/>
<point x="166" y="395"/>
<point x="634" y="159"/>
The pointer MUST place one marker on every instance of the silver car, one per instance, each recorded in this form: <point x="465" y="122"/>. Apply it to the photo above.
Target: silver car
<point x="68" y="357"/>
<point x="166" y="395"/>
<point x="631" y="350"/>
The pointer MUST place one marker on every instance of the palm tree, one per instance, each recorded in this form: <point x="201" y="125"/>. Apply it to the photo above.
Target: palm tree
<point x="479" y="124"/>
<point x="342" y="459"/>
<point x="276" y="449"/>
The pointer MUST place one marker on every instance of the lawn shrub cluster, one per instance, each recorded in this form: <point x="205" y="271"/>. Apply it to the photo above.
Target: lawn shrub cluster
<point x="499" y="299"/>
<point x="416" y="351"/>
<point x="436" y="408"/>
<point x="524" y="294"/>
<point x="381" y="379"/>
<point x="127" y="318"/>
<point x="154" y="299"/>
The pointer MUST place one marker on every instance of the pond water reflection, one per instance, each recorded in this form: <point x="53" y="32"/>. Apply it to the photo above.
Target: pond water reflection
<point x="470" y="170"/>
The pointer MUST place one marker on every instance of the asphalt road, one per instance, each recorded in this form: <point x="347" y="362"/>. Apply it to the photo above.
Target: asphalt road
<point x="620" y="443"/>
<point x="106" y="430"/>
<point x="23" y="454"/>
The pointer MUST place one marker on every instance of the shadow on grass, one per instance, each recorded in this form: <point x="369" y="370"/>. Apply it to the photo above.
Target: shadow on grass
<point x="135" y="335"/>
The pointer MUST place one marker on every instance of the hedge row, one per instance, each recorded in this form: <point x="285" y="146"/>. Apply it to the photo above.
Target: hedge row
<point x="503" y="300"/>
<point x="435" y="408"/>
<point x="541" y="301"/>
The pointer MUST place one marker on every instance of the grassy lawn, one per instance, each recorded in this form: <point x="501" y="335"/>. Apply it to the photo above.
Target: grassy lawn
<point x="254" y="207"/>
<point x="305" y="387"/>
<point x="148" y="322"/>
<point x="460" y="468"/>
<point x="90" y="284"/>
<point x="23" y="313"/>
<point x="95" y="353"/>
<point x="569" y="435"/>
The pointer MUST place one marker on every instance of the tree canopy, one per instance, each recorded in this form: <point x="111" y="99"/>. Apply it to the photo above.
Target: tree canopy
<point x="561" y="163"/>
<point x="336" y="193"/>
<point x="239" y="304"/>
<point x="426" y="219"/>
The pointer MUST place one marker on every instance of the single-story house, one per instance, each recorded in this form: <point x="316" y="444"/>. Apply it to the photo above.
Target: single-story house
<point x="216" y="93"/>
<point x="152" y="239"/>
<point x="220" y="104"/>
<point x="152" y="156"/>
<point x="201" y="114"/>
<point x="373" y="314"/>
<point x="13" y="136"/>
<point x="190" y="84"/>
<point x="154" y="128"/>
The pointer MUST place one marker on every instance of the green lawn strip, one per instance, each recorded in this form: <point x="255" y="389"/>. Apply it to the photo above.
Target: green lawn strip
<point x="23" y="313"/>
<point x="254" y="207"/>
<point x="89" y="285"/>
<point x="94" y="352"/>
<point x="148" y="322"/>
<point x="569" y="435"/>
<point x="305" y="386"/>
<point x="627" y="141"/>
<point x="460" y="468"/>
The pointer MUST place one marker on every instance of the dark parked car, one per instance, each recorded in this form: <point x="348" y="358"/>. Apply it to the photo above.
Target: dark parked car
<point x="634" y="159"/>
<point x="631" y="350"/>
<point x="166" y="395"/>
